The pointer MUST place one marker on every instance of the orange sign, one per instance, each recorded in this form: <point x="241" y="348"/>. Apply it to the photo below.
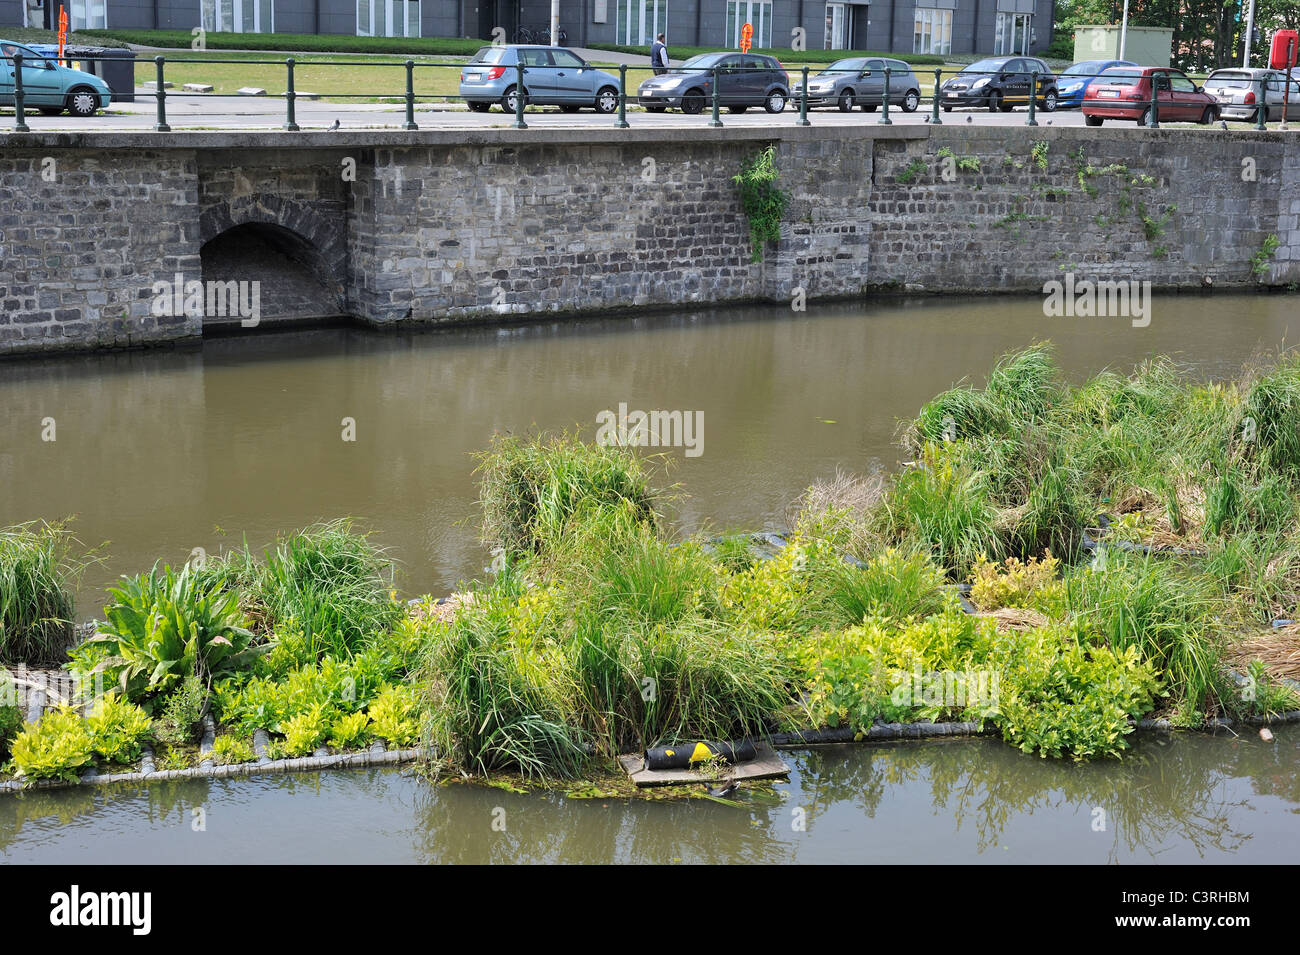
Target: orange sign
<point x="63" y="31"/>
<point x="746" y="37"/>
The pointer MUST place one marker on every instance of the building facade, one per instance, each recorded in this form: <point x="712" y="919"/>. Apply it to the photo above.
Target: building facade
<point x="900" y="26"/>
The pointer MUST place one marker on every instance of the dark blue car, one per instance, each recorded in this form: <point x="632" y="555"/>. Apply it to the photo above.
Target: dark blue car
<point x="1073" y="83"/>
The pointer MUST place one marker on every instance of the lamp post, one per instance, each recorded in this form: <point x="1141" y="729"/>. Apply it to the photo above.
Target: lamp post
<point x="1123" y="31"/>
<point x="1250" y="34"/>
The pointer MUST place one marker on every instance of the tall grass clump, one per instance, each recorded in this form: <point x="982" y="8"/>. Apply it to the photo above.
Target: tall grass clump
<point x="530" y="489"/>
<point x="1273" y="406"/>
<point x="37" y="571"/>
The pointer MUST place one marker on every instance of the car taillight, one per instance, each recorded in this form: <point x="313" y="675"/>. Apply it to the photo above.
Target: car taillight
<point x="496" y="72"/>
<point x="1250" y="98"/>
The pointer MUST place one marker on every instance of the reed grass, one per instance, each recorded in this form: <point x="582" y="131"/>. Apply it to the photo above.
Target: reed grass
<point x="39" y="565"/>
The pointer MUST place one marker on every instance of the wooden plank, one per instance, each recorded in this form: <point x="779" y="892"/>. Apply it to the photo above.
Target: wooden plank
<point x="765" y="765"/>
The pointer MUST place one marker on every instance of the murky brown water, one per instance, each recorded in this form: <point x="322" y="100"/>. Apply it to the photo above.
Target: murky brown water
<point x="161" y="452"/>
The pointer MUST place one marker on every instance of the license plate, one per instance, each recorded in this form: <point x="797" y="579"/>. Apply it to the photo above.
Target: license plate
<point x="473" y="77"/>
<point x="1107" y="94"/>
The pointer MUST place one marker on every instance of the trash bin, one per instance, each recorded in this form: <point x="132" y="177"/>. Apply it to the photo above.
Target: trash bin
<point x="113" y="65"/>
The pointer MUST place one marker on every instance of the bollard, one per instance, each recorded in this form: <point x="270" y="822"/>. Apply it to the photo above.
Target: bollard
<point x="884" y="107"/>
<point x="161" y="126"/>
<point x="934" y="116"/>
<point x="410" y="96"/>
<point x="519" y="95"/>
<point x="290" y="123"/>
<point x="717" y="120"/>
<point x="1033" y="97"/>
<point x="1261" y="111"/>
<point x="803" y="100"/>
<point x="1154" y="121"/>
<point x="621" y="122"/>
<point x="20" y="121"/>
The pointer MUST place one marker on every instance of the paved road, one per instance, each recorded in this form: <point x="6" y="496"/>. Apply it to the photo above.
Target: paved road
<point x="198" y="111"/>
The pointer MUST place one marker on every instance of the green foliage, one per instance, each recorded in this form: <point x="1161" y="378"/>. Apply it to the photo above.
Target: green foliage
<point x="762" y="199"/>
<point x="1033" y="584"/>
<point x="175" y="758"/>
<point x="530" y="490"/>
<point x="307" y="730"/>
<point x="163" y="627"/>
<point x="893" y="584"/>
<point x="229" y="749"/>
<point x="11" y="719"/>
<point x="1038" y="152"/>
<point x="963" y="163"/>
<point x="1259" y="261"/>
<point x="117" y="729"/>
<point x="352" y="730"/>
<point x="36" y="573"/>
<point x="394" y="716"/>
<point x="182" y="710"/>
<point x="914" y="171"/>
<point x="58" y="746"/>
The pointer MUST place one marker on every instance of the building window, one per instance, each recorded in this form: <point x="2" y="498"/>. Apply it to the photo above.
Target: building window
<point x="758" y="14"/>
<point x="1012" y="33"/>
<point x="88" y="15"/>
<point x="237" y="16"/>
<point x="388" y="17"/>
<point x="837" y="22"/>
<point x="640" y="21"/>
<point x="932" y="32"/>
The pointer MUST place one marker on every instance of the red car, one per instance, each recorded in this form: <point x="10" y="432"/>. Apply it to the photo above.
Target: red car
<point x="1124" y="92"/>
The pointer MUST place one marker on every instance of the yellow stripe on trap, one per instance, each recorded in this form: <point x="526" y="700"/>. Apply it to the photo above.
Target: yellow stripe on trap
<point x="766" y="764"/>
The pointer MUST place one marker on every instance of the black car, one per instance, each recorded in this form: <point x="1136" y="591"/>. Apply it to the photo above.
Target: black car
<point x="744" y="80"/>
<point x="1000" y="83"/>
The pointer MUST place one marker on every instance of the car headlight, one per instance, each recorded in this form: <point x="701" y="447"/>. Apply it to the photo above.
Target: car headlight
<point x="1071" y="87"/>
<point x="982" y="81"/>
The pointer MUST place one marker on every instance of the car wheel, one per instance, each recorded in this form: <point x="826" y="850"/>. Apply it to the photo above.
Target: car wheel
<point x="508" y="100"/>
<point x="607" y="100"/>
<point x="846" y="101"/>
<point x="911" y="101"/>
<point x="1092" y="120"/>
<point x="693" y="102"/>
<point x="1145" y="118"/>
<point x="775" y="101"/>
<point x="83" y="101"/>
<point x="1049" y="101"/>
<point x="479" y="107"/>
<point x="995" y="101"/>
<point x="1208" y="116"/>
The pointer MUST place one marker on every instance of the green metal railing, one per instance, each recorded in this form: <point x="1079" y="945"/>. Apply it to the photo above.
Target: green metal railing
<point x="711" y="90"/>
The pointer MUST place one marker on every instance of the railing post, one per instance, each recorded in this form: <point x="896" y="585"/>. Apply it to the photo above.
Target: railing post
<point x="717" y="120"/>
<point x="20" y="121"/>
<point x="938" y="79"/>
<point x="1153" y="121"/>
<point x="803" y="100"/>
<point x="621" y="122"/>
<point x="160" y="126"/>
<point x="884" y="101"/>
<point x="1033" y="97"/>
<point x="1261" y="111"/>
<point x="290" y="122"/>
<point x="410" y="96"/>
<point x="519" y="94"/>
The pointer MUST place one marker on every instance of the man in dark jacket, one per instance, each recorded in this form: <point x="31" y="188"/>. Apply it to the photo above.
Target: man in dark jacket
<point x="659" y="55"/>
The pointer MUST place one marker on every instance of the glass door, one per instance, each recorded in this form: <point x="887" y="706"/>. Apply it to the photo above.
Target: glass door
<point x="836" y="23"/>
<point x="758" y="14"/>
<point x="640" y="21"/>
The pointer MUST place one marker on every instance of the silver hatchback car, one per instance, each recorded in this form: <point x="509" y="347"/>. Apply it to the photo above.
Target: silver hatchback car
<point x="553" y="76"/>
<point x="1238" y="93"/>
<point x="860" y="81"/>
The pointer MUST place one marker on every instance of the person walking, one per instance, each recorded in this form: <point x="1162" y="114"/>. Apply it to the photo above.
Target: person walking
<point x="659" y="55"/>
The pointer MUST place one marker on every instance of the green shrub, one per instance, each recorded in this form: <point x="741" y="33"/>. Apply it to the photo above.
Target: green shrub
<point x="117" y="729"/>
<point x="229" y="749"/>
<point x="352" y="730"/>
<point x="11" y="719"/>
<point x="394" y="716"/>
<point x="531" y="490"/>
<point x="36" y="573"/>
<point x="163" y="627"/>
<point x="762" y="199"/>
<point x="58" y="746"/>
<point x="307" y="730"/>
<point x="892" y="585"/>
<point x="182" y="710"/>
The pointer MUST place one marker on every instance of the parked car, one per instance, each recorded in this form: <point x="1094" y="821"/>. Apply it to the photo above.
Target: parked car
<point x="1000" y="83"/>
<point x="1238" y="93"/>
<point x="553" y="76"/>
<point x="1078" y="76"/>
<point x="744" y="80"/>
<point x="49" y="87"/>
<point x="1125" y="93"/>
<point x="860" y="81"/>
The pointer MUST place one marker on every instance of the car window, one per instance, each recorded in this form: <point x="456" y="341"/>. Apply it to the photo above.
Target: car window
<point x="1086" y="67"/>
<point x="536" y="57"/>
<point x="875" y="66"/>
<point x="1161" y="80"/>
<point x="1182" y="84"/>
<point x="1120" y="78"/>
<point x="489" y="54"/>
<point x="898" y="66"/>
<point x="844" y="67"/>
<point x="991" y="65"/>
<point x="565" y="58"/>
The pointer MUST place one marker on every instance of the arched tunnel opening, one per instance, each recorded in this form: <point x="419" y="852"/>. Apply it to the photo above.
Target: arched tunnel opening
<point x="276" y="271"/>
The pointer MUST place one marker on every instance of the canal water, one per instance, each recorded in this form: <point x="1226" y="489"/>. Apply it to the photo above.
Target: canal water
<point x="157" y="453"/>
<point x="1183" y="799"/>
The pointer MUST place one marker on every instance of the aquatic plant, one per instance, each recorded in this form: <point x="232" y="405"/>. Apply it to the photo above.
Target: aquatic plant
<point x="892" y="584"/>
<point x="118" y="729"/>
<point x="350" y="731"/>
<point x="37" y="571"/>
<point x="58" y="746"/>
<point x="394" y="716"/>
<point x="182" y="709"/>
<point x="228" y="749"/>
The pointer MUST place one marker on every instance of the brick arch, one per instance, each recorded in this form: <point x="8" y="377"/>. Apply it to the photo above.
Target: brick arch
<point x="326" y="236"/>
